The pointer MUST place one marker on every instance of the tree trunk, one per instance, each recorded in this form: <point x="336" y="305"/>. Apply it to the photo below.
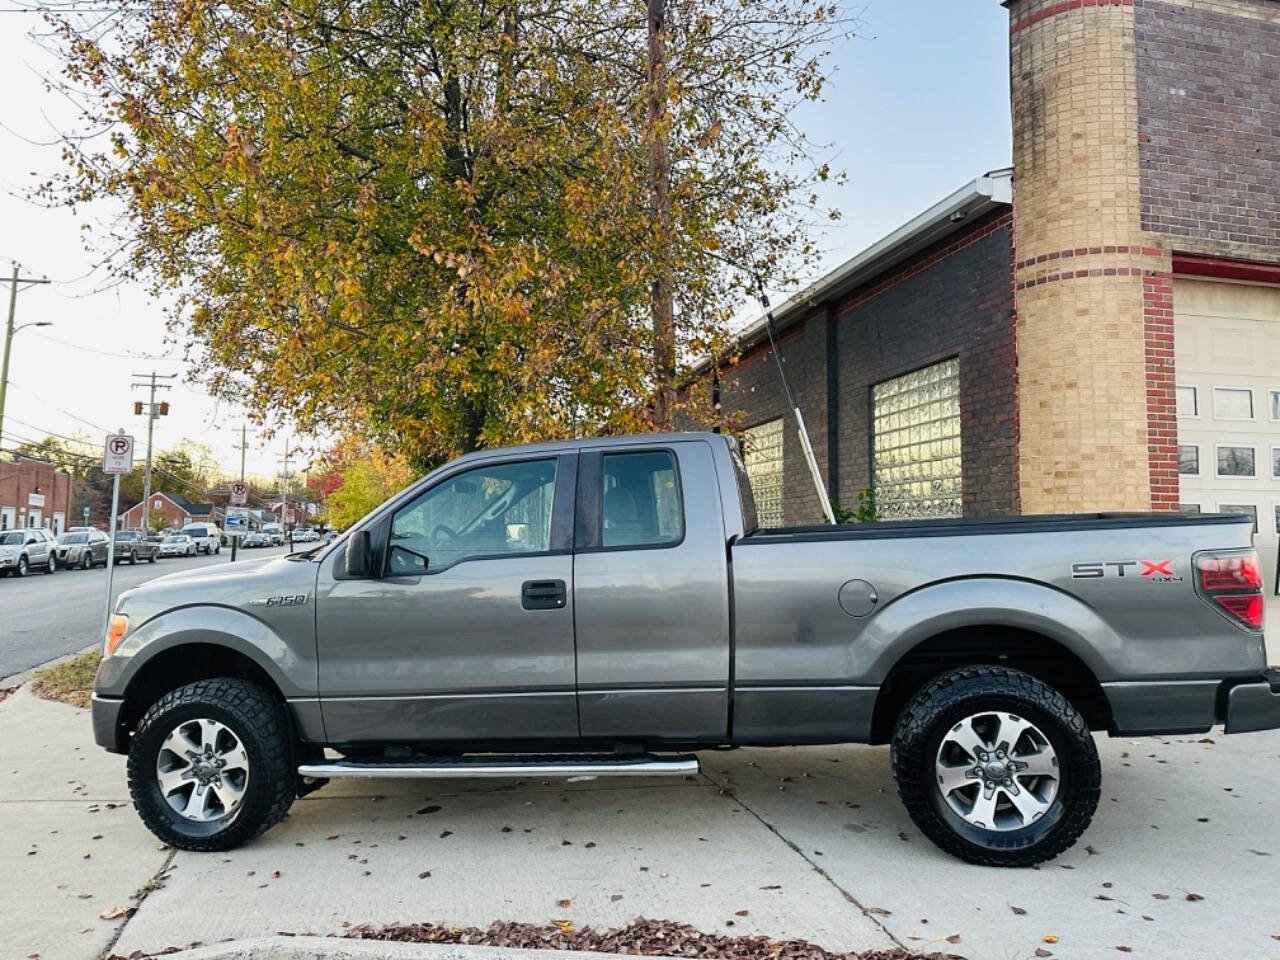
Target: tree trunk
<point x="661" y="296"/>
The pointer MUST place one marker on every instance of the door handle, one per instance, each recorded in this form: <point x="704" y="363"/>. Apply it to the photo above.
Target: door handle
<point x="543" y="594"/>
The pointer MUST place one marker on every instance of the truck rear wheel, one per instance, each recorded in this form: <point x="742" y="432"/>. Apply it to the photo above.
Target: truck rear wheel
<point x="996" y="767"/>
<point x="211" y="765"/>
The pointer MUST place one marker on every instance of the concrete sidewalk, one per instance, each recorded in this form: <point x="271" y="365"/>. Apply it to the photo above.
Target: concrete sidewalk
<point x="808" y="843"/>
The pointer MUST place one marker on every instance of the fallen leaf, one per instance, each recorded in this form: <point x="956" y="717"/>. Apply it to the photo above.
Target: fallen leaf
<point x="1102" y="896"/>
<point x="1042" y="952"/>
<point x="772" y="886"/>
<point x="564" y="904"/>
<point x="564" y="925"/>
<point x="1090" y="851"/>
<point x="1193" y="897"/>
<point x="443" y="834"/>
<point x="615" y="898"/>
<point x="112" y="913"/>
<point x="740" y="913"/>
<point x="1160" y="896"/>
<point x="1050" y="938"/>
<point x="1019" y="911"/>
<point x="954" y="938"/>
<point x="589" y="845"/>
<point x="880" y="911"/>
<point x="424" y="874"/>
<point x="275" y="874"/>
<point x="1125" y="949"/>
<point x="433" y="808"/>
<point x="332" y="836"/>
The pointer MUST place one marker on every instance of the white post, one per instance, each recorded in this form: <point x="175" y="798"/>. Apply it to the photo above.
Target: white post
<point x="111" y="555"/>
<point x="813" y="469"/>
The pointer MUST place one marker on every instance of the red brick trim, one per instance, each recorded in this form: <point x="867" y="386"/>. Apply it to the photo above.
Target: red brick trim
<point x="1087" y="251"/>
<point x="1162" y="420"/>
<point x="1224" y="268"/>
<point x="1016" y="25"/>
<point x="994" y="223"/>
<point x="1092" y="272"/>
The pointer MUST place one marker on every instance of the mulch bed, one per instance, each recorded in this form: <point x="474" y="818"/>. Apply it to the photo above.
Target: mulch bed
<point x="6" y="693"/>
<point x="651" y="938"/>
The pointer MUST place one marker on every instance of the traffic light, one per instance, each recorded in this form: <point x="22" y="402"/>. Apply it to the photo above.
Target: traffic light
<point x="164" y="408"/>
<point x="137" y="408"/>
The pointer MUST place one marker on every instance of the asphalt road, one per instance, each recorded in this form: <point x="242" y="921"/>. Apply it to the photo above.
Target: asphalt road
<point x="47" y="616"/>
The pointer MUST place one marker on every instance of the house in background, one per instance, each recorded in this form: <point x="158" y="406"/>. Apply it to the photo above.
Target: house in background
<point x="178" y="512"/>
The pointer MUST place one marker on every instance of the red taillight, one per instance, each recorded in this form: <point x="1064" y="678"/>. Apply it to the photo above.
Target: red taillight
<point x="1239" y="572"/>
<point x="1233" y="582"/>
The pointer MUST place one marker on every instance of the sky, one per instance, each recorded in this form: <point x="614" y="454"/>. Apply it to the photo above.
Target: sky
<point x="916" y="107"/>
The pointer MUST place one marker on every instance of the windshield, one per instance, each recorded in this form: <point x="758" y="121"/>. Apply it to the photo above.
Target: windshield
<point x="9" y="539"/>
<point x="176" y="539"/>
<point x="74" y="538"/>
<point x="194" y="531"/>
<point x="126" y="536"/>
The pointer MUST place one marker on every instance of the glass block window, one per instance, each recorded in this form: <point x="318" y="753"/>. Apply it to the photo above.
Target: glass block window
<point x="762" y="456"/>
<point x="916" y="444"/>
<point x="1189" y="460"/>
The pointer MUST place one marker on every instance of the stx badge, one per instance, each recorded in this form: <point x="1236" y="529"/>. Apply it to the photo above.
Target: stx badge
<point x="1157" y="571"/>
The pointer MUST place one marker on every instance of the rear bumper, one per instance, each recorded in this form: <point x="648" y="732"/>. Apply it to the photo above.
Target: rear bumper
<point x="107" y="732"/>
<point x="1254" y="706"/>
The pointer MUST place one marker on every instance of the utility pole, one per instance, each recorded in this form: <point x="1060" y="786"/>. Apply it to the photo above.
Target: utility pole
<point x="14" y="281"/>
<point x="284" y="496"/>
<point x="152" y="412"/>
<point x="243" y="448"/>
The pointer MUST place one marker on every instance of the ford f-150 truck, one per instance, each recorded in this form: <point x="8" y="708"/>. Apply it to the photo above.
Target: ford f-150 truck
<point x="593" y="607"/>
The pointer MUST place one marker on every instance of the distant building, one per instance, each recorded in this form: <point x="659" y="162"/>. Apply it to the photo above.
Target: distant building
<point x="178" y="512"/>
<point x="34" y="493"/>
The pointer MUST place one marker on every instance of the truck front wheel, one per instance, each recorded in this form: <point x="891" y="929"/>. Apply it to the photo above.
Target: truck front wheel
<point x="210" y="766"/>
<point x="996" y="767"/>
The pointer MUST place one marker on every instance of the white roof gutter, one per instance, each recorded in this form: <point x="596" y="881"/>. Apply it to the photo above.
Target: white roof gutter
<point x="946" y="217"/>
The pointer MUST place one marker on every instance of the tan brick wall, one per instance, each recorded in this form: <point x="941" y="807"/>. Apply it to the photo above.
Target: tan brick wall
<point x="1082" y="259"/>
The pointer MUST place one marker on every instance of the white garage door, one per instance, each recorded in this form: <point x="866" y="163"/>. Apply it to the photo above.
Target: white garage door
<point x="1227" y="342"/>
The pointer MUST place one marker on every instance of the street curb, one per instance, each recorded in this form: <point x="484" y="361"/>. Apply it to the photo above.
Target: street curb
<point x="339" y="948"/>
<point x="24" y="677"/>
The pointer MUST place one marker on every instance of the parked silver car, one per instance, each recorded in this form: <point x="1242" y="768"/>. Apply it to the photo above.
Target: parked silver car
<point x="177" y="545"/>
<point x="255" y="538"/>
<point x="24" y="550"/>
<point x="85" y="549"/>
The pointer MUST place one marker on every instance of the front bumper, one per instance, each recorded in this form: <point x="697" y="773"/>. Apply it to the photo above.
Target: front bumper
<point x="1255" y="706"/>
<point x="6" y="562"/>
<point x="107" y="732"/>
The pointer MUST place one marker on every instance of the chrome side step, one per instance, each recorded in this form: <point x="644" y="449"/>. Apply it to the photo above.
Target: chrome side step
<point x="479" y="767"/>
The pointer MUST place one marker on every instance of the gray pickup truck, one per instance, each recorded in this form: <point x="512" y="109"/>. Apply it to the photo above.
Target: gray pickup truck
<point x="588" y="608"/>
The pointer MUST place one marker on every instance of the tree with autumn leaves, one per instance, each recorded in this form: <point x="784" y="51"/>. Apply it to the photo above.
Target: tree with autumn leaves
<point x="449" y="224"/>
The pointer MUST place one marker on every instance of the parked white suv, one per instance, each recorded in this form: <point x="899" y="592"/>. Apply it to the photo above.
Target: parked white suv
<point x="207" y="537"/>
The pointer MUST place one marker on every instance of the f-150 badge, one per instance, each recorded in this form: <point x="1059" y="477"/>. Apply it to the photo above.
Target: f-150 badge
<point x="291" y="600"/>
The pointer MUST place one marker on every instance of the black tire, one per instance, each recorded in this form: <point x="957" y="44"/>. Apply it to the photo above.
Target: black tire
<point x="152" y="558"/>
<point x="938" y="708"/>
<point x="52" y="565"/>
<point x="133" y="557"/>
<point x="86" y="560"/>
<point x="258" y="719"/>
<point x="21" y="569"/>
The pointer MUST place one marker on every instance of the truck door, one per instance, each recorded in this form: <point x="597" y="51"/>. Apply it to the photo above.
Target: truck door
<point x="467" y="635"/>
<point x="650" y="585"/>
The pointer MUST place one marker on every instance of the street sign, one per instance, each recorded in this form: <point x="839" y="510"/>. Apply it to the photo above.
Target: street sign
<point x="117" y="454"/>
<point x="86" y="513"/>
<point x="239" y="493"/>
<point x="237" y="521"/>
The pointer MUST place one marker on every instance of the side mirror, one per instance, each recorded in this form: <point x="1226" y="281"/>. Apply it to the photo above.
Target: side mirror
<point x="359" y="555"/>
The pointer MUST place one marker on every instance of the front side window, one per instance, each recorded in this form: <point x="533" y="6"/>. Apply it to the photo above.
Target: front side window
<point x="499" y="510"/>
<point x="1236" y="462"/>
<point x="762" y="458"/>
<point x="1189" y="460"/>
<point x="916" y="445"/>
<point x="641" y="505"/>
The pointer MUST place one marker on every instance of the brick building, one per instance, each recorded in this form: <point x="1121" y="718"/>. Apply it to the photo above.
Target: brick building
<point x="1096" y="329"/>
<point x="34" y="493"/>
<point x="178" y="512"/>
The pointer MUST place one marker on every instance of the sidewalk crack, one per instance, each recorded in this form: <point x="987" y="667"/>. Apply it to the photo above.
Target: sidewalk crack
<point x="727" y="791"/>
<point x="154" y="883"/>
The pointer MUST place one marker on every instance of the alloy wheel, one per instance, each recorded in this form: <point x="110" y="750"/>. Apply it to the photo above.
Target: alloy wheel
<point x="202" y="770"/>
<point x="997" y="771"/>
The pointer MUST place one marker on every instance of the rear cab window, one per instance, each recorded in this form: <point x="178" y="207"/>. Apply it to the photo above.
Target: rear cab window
<point x="641" y="503"/>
